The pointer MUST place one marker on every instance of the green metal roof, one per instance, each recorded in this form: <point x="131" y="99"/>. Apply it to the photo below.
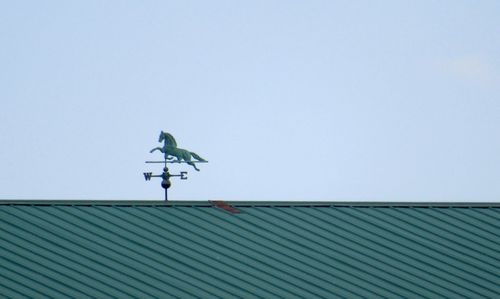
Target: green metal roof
<point x="112" y="249"/>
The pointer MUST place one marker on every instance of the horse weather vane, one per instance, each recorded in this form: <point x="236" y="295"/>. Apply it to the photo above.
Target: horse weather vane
<point x="172" y="154"/>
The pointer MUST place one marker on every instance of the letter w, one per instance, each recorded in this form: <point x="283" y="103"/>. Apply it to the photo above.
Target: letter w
<point x="147" y="176"/>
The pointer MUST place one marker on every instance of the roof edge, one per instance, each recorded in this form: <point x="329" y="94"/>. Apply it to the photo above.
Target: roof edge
<point x="182" y="203"/>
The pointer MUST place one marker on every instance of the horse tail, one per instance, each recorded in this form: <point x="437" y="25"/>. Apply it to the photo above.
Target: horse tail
<point x="197" y="157"/>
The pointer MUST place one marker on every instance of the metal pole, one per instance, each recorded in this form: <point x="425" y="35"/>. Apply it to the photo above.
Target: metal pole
<point x="165" y="169"/>
<point x="166" y="181"/>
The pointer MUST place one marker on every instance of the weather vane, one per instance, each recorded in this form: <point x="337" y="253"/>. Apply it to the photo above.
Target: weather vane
<point x="172" y="154"/>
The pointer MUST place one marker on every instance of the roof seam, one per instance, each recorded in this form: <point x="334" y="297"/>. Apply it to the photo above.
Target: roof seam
<point x="197" y="258"/>
<point x="452" y="248"/>
<point x="156" y="260"/>
<point x="463" y="225"/>
<point x="55" y="274"/>
<point x="225" y="219"/>
<point x="290" y="257"/>
<point x="494" y="231"/>
<point x="374" y="257"/>
<point x="68" y="241"/>
<point x="408" y="248"/>
<point x="43" y="274"/>
<point x="48" y="241"/>
<point x="352" y="260"/>
<point x="212" y="250"/>
<point x="13" y="272"/>
<point x="422" y="241"/>
<point x="401" y="256"/>
<point x="250" y="265"/>
<point x="471" y="237"/>
<point x="55" y="262"/>
<point x="181" y="254"/>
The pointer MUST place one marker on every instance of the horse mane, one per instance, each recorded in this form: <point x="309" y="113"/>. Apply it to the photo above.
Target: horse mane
<point x="169" y="139"/>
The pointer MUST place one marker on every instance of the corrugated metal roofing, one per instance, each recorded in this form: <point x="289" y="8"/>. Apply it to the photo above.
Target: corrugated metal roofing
<point x="268" y="250"/>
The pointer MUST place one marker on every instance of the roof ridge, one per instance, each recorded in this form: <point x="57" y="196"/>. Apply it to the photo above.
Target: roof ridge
<point x="282" y="204"/>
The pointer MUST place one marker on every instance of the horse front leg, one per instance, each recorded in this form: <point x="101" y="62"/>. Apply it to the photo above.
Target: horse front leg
<point x="156" y="149"/>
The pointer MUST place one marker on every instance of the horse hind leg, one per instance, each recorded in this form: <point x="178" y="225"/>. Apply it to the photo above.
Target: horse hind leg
<point x="194" y="165"/>
<point x="186" y="156"/>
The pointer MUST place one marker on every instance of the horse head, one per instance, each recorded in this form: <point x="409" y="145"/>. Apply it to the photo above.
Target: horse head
<point x="169" y="139"/>
<point x="162" y="136"/>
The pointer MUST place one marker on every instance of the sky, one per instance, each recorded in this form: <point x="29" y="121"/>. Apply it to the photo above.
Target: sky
<point x="287" y="100"/>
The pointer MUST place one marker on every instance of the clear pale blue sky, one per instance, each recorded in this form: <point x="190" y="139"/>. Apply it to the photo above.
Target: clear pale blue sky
<point x="288" y="100"/>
